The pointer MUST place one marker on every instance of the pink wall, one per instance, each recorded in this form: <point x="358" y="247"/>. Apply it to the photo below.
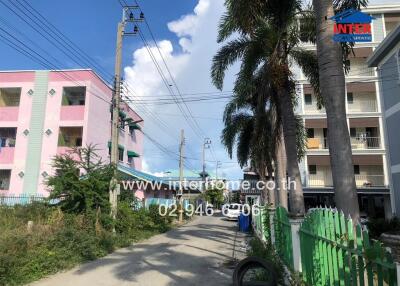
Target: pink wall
<point x="25" y="80"/>
<point x="9" y="113"/>
<point x="74" y="112"/>
<point x="7" y="155"/>
<point x="94" y="117"/>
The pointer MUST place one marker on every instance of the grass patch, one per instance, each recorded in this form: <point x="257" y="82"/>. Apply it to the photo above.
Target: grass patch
<point x="60" y="240"/>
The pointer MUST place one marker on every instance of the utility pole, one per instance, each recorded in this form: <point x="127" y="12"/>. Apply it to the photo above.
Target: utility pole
<point x="218" y="164"/>
<point x="182" y="143"/>
<point x="206" y="145"/>
<point x="116" y="99"/>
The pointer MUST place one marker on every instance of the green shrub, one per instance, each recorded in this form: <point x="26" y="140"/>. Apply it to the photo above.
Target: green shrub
<point x="259" y="249"/>
<point x="61" y="240"/>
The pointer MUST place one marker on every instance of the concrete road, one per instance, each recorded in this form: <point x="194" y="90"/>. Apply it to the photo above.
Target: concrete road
<point x="198" y="253"/>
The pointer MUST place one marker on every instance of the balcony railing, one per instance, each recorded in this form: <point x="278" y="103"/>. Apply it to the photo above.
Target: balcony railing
<point x="357" y="143"/>
<point x="317" y="143"/>
<point x="362" y="105"/>
<point x="313" y="109"/>
<point x="320" y="180"/>
<point x="365" y="142"/>
<point x="7" y="155"/>
<point x="370" y="180"/>
<point x="364" y="181"/>
<point x="360" y="70"/>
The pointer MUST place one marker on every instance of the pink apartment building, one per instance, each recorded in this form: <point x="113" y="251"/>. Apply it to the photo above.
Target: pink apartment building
<point x="44" y="113"/>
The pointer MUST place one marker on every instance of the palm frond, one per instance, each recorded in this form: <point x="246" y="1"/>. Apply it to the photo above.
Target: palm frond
<point x="308" y="62"/>
<point x="225" y="57"/>
<point x="232" y="129"/>
<point x="227" y="27"/>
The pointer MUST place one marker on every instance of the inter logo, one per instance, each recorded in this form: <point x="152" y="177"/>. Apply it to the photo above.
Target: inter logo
<point x="352" y="26"/>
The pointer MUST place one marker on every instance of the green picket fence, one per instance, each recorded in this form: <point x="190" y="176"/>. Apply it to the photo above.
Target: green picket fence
<point x="283" y="236"/>
<point x="333" y="253"/>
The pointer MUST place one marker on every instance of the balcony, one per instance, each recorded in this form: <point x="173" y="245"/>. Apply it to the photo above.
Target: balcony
<point x="5" y="177"/>
<point x="72" y="112"/>
<point x="365" y="143"/>
<point x="73" y="103"/>
<point x="317" y="143"/>
<point x="359" y="68"/>
<point x="366" y="176"/>
<point x="7" y="145"/>
<point x="362" y="105"/>
<point x="9" y="103"/>
<point x="358" y="63"/>
<point x="70" y="137"/>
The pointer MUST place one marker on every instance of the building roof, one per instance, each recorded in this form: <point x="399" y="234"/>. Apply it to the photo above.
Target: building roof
<point x="384" y="47"/>
<point x="140" y="175"/>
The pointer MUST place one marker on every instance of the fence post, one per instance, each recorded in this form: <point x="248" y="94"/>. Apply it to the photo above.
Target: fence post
<point x="398" y="273"/>
<point x="271" y="212"/>
<point x="295" y="227"/>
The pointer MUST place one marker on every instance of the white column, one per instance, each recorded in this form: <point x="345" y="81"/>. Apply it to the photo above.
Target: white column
<point x="381" y="133"/>
<point x="385" y="170"/>
<point x="295" y="227"/>
<point x="301" y="97"/>
<point x="271" y="212"/>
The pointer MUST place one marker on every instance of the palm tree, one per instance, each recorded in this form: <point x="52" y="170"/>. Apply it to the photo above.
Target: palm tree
<point x="331" y="56"/>
<point x="268" y="40"/>
<point x="251" y="126"/>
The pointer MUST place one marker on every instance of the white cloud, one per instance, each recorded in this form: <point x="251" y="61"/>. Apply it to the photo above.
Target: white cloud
<point x="189" y="63"/>
<point x="187" y="25"/>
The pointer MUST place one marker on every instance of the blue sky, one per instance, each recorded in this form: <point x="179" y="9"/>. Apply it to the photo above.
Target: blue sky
<point x="92" y="25"/>
<point x="186" y="34"/>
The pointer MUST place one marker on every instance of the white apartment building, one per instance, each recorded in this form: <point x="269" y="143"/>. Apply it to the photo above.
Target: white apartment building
<point x="364" y="118"/>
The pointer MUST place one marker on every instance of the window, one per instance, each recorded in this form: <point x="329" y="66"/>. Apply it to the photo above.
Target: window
<point x="353" y="132"/>
<point x="10" y="97"/>
<point x="5" y="176"/>
<point x="310" y="132"/>
<point x="120" y="154"/>
<point x="312" y="169"/>
<point x="350" y="98"/>
<point x="130" y="160"/>
<point x="74" y="95"/>
<point x="356" y="169"/>
<point x="8" y="137"/>
<point x="70" y="137"/>
<point x="308" y="99"/>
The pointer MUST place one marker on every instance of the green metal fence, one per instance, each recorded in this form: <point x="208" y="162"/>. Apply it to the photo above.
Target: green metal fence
<point x="283" y="236"/>
<point x="333" y="253"/>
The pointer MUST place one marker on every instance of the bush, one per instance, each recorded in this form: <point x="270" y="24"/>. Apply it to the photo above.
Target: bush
<point x="60" y="240"/>
<point x="259" y="249"/>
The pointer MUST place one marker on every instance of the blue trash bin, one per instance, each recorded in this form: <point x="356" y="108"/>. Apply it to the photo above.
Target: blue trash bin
<point x="244" y="223"/>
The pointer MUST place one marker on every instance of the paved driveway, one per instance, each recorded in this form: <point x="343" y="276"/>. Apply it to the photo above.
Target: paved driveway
<point x="199" y="253"/>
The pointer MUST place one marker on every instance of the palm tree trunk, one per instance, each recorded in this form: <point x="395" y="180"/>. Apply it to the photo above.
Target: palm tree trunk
<point x="332" y="82"/>
<point x="280" y="173"/>
<point x="295" y="188"/>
